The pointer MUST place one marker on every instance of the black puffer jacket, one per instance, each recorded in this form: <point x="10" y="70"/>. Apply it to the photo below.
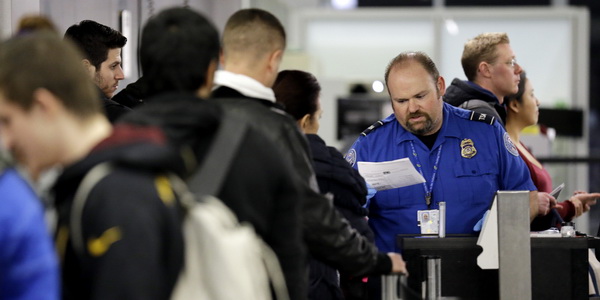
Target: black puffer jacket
<point x="259" y="186"/>
<point x="336" y="177"/>
<point x="469" y="96"/>
<point x="327" y="235"/>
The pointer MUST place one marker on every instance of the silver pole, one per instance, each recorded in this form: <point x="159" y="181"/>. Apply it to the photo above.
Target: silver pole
<point x="434" y="278"/>
<point x="442" y="229"/>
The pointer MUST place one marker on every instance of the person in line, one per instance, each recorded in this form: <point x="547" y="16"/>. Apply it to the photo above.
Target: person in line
<point x="130" y="229"/>
<point x="522" y="111"/>
<point x="492" y="73"/>
<point x="253" y="45"/>
<point x="28" y="261"/>
<point x="464" y="157"/>
<point x="299" y="92"/>
<point x="179" y="53"/>
<point x="101" y="46"/>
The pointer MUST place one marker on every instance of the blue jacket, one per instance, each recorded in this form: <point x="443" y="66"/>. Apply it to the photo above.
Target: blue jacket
<point x="28" y="262"/>
<point x="466" y="183"/>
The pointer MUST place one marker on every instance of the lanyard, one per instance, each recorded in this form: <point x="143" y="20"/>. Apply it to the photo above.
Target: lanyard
<point x="428" y="191"/>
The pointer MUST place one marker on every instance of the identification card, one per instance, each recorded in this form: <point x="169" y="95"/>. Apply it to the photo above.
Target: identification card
<point x="429" y="221"/>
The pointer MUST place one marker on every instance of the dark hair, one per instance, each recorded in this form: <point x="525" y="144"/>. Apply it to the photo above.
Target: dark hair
<point x="417" y="56"/>
<point x="43" y="60"/>
<point x="253" y="30"/>
<point x="518" y="96"/>
<point x="95" y="39"/>
<point x="298" y="91"/>
<point x="176" y="50"/>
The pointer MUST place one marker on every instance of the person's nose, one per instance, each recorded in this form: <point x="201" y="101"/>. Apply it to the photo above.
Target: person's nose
<point x="413" y="106"/>
<point x="119" y="74"/>
<point x="518" y="69"/>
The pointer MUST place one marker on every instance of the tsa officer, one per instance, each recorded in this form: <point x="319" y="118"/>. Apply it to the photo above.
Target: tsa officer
<point x="464" y="157"/>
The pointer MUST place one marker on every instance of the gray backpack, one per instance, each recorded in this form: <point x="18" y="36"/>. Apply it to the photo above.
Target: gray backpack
<point x="224" y="259"/>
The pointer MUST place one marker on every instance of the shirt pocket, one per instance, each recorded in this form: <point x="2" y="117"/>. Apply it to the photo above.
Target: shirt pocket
<point x="400" y="198"/>
<point x="476" y="180"/>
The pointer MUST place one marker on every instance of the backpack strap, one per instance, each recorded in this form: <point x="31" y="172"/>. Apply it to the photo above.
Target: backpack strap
<point x="215" y="165"/>
<point x="88" y="182"/>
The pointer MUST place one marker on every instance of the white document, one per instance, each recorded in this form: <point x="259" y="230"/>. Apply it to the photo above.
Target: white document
<point x="488" y="240"/>
<point x="390" y="174"/>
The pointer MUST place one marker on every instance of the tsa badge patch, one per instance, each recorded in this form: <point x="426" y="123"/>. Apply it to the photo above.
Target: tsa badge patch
<point x="351" y="157"/>
<point x="467" y="148"/>
<point x="510" y="146"/>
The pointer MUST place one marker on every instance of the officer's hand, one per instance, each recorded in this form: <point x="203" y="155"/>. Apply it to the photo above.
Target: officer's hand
<point x="479" y="223"/>
<point x="371" y="191"/>
<point x="398" y="264"/>
<point x="545" y="203"/>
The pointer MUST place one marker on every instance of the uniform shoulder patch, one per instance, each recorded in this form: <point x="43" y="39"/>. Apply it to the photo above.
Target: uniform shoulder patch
<point x="371" y="128"/>
<point x="485" y="118"/>
<point x="509" y="145"/>
<point x="351" y="157"/>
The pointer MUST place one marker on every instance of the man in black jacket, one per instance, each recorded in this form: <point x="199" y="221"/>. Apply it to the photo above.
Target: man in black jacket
<point x="253" y="45"/>
<point x="101" y="46"/>
<point x="179" y="54"/>
<point x="492" y="73"/>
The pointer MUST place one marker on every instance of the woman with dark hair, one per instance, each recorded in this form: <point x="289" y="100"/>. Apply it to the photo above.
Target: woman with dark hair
<point x="299" y="93"/>
<point x="522" y="111"/>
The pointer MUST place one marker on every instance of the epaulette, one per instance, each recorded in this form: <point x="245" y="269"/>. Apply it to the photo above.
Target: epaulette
<point x="485" y="118"/>
<point x="371" y="128"/>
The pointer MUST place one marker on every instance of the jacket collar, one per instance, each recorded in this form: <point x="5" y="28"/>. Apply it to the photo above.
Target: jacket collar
<point x="247" y="86"/>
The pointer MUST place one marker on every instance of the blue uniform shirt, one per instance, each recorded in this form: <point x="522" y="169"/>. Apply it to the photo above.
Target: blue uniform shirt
<point x="466" y="182"/>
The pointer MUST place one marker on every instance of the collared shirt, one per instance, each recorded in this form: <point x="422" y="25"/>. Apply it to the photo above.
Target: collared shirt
<point x="466" y="183"/>
<point x="247" y="86"/>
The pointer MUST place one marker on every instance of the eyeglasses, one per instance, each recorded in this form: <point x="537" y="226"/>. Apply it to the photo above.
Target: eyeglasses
<point x="512" y="63"/>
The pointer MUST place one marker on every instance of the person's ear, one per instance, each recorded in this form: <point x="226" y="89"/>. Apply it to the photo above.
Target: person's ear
<point x="484" y="69"/>
<point x="441" y="86"/>
<point x="205" y="90"/>
<point x="304" y="122"/>
<point x="89" y="67"/>
<point x="275" y="60"/>
<point x="513" y="106"/>
<point x="45" y="102"/>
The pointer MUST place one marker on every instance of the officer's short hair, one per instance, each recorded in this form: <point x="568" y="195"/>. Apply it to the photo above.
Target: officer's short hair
<point x="417" y="56"/>
<point x="43" y="60"/>
<point x="176" y="50"/>
<point x="481" y="48"/>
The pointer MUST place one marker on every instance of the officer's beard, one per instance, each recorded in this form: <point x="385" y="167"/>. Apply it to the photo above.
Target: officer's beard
<point x="426" y="129"/>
